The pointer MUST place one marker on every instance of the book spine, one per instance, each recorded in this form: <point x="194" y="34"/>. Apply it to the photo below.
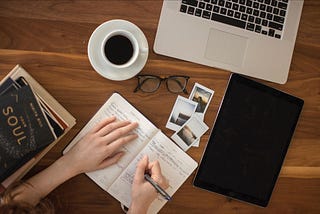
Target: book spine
<point x="2" y="188"/>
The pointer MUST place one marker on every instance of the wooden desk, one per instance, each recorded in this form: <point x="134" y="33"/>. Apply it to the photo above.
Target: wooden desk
<point x="49" y="39"/>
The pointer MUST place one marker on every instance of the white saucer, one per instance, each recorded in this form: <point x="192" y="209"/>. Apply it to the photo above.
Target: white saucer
<point x="97" y="60"/>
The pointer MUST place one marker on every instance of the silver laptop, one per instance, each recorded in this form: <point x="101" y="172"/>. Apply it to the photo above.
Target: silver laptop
<point x="251" y="37"/>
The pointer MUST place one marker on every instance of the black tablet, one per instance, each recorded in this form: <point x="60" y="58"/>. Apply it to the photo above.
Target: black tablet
<point x="249" y="141"/>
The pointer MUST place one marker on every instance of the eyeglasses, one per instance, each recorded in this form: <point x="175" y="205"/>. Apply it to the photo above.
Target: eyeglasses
<point x="151" y="83"/>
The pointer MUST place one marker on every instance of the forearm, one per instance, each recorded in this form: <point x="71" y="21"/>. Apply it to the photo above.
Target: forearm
<point x="98" y="149"/>
<point x="138" y="208"/>
<point x="44" y="182"/>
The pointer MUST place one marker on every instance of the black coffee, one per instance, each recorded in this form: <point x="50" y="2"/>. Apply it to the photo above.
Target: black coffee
<point x="118" y="49"/>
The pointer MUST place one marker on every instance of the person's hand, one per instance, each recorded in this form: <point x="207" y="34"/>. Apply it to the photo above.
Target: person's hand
<point x="99" y="148"/>
<point x="143" y="193"/>
<point x="96" y="150"/>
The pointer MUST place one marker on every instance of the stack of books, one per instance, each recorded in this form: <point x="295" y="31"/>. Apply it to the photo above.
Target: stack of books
<point x="32" y="122"/>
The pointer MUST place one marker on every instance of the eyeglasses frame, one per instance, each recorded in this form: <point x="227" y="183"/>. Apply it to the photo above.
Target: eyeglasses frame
<point x="161" y="79"/>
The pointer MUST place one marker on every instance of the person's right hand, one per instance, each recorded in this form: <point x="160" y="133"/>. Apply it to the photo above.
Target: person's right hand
<point x="143" y="193"/>
<point x="99" y="148"/>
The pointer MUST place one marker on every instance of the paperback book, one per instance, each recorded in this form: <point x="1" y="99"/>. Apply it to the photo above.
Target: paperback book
<point x="32" y="122"/>
<point x="24" y="130"/>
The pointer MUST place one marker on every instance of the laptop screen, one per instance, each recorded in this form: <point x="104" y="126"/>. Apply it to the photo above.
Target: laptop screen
<point x="249" y="141"/>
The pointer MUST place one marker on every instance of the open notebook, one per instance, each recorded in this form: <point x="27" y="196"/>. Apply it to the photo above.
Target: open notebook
<point x="117" y="179"/>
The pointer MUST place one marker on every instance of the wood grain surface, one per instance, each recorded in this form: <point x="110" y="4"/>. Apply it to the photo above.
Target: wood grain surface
<point x="50" y="38"/>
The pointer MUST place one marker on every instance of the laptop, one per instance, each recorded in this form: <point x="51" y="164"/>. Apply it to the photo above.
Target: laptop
<point x="251" y="37"/>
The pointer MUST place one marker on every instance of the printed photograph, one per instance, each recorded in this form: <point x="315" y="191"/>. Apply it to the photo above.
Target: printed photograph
<point x="181" y="112"/>
<point x="187" y="135"/>
<point x="202" y="95"/>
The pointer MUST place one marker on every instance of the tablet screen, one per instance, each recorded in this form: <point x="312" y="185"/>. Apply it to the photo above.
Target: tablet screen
<point x="248" y="142"/>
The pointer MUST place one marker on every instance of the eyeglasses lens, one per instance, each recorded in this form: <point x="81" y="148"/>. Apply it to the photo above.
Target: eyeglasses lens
<point x="149" y="84"/>
<point x="176" y="84"/>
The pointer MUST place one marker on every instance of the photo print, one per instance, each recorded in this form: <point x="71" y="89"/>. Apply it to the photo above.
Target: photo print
<point x="202" y="95"/>
<point x="189" y="133"/>
<point x="182" y="110"/>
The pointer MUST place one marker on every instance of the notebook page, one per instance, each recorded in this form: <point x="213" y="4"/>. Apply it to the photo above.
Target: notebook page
<point x="175" y="165"/>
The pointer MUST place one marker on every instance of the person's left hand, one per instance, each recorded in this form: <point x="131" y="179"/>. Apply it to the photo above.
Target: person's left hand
<point x="100" y="147"/>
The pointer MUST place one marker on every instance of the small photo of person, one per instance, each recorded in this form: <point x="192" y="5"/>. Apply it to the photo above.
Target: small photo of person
<point x="202" y="96"/>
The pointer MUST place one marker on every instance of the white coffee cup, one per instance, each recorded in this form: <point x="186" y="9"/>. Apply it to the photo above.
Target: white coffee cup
<point x="130" y="67"/>
<point x="120" y="49"/>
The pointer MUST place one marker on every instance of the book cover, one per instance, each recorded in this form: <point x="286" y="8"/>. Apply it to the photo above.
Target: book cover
<point x="57" y="128"/>
<point x="61" y="116"/>
<point x="24" y="129"/>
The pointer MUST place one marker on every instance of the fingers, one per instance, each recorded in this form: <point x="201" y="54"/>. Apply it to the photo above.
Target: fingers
<point x="115" y="145"/>
<point x="110" y="124"/>
<point x="155" y="169"/>
<point x="109" y="136"/>
<point x="156" y="174"/>
<point x="108" y="128"/>
<point x="111" y="160"/>
<point x="103" y="123"/>
<point x="120" y="129"/>
<point x="119" y="137"/>
<point x="141" y="168"/>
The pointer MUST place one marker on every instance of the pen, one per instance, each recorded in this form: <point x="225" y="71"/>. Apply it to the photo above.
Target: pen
<point x="157" y="187"/>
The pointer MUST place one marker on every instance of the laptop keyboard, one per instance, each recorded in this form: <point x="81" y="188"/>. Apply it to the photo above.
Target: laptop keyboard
<point x="265" y="17"/>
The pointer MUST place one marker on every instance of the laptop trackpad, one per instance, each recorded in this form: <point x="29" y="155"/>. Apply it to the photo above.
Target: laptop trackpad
<point x="226" y="47"/>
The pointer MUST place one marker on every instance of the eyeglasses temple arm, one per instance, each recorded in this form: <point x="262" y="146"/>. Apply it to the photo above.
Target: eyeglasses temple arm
<point x="136" y="89"/>
<point x="185" y="91"/>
